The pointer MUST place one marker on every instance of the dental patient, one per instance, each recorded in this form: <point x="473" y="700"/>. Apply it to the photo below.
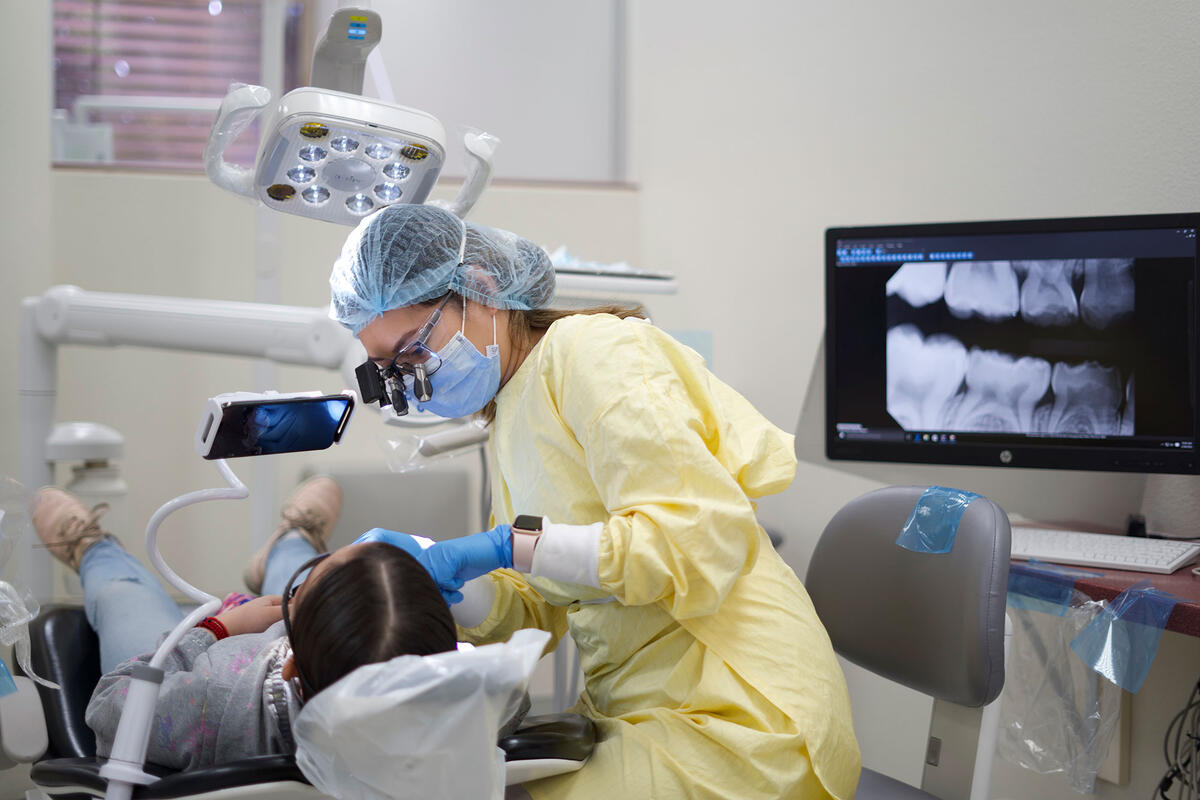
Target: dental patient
<point x="234" y="683"/>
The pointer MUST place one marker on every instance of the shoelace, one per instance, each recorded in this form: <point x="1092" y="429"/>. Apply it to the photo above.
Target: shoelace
<point x="76" y="529"/>
<point x="312" y="521"/>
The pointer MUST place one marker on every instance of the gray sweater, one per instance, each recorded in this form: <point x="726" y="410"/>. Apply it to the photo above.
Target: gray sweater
<point x="220" y="700"/>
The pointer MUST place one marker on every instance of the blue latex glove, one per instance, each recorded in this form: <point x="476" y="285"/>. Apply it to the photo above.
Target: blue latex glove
<point x="456" y="561"/>
<point x="404" y="541"/>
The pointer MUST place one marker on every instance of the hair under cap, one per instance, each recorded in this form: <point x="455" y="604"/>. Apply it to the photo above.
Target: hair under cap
<point x="405" y="254"/>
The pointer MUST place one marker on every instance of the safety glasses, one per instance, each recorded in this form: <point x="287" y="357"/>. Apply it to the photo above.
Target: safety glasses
<point x="414" y="361"/>
<point x="288" y="593"/>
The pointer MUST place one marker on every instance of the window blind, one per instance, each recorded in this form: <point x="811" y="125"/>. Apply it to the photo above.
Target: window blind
<point x="183" y="48"/>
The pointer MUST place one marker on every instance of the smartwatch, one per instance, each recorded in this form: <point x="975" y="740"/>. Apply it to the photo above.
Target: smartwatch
<point x="526" y="529"/>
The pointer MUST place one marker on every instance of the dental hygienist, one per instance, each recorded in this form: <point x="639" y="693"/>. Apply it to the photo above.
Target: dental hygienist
<point x="623" y="473"/>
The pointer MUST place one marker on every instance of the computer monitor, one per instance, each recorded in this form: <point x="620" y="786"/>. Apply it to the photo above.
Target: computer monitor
<point x="1058" y="343"/>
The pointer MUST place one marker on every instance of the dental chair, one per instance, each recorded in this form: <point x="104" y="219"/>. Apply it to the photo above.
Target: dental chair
<point x="934" y="622"/>
<point x="66" y="650"/>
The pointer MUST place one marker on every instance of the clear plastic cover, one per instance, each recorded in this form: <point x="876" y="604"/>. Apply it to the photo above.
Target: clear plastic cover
<point x="417" y="726"/>
<point x="1058" y="714"/>
<point x="18" y="607"/>
<point x="481" y="151"/>
<point x="239" y="108"/>
<point x="407" y="452"/>
<point x="1120" y="643"/>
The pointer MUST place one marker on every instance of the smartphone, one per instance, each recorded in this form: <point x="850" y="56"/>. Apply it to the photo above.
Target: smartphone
<point x="239" y="424"/>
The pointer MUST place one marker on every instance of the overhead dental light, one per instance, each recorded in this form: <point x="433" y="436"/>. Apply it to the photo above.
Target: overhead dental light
<point x="330" y="153"/>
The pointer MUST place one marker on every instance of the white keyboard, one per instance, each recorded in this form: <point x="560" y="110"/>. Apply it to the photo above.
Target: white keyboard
<point x="1102" y="550"/>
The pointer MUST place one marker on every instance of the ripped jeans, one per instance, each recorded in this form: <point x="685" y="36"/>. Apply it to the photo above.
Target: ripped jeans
<point x="128" y="608"/>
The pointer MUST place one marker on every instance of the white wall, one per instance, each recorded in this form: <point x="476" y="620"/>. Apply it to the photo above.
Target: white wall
<point x="461" y="61"/>
<point x="757" y="126"/>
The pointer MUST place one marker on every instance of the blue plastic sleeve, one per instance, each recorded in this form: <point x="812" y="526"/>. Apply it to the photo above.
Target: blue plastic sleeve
<point x="1037" y="586"/>
<point x="933" y="522"/>
<point x="7" y="684"/>
<point x="1120" y="643"/>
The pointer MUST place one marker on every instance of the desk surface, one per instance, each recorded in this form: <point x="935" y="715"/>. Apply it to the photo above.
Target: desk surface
<point x="1185" y="617"/>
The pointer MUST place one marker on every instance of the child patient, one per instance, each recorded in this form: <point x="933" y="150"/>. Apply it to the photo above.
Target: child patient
<point x="234" y="683"/>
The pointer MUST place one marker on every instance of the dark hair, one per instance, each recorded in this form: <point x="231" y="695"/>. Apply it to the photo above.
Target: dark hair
<point x="378" y="604"/>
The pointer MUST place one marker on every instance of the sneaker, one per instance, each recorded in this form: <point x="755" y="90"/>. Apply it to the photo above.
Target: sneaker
<point x="312" y="509"/>
<point x="66" y="526"/>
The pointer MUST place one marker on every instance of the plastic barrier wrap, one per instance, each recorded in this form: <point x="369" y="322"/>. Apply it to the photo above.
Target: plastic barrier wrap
<point x="414" y="451"/>
<point x="1120" y="643"/>
<point x="933" y="523"/>
<point x="417" y="726"/>
<point x="18" y="607"/>
<point x="1058" y="713"/>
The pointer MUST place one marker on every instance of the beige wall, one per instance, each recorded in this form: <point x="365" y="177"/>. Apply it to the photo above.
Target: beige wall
<point x="25" y="231"/>
<point x="752" y="129"/>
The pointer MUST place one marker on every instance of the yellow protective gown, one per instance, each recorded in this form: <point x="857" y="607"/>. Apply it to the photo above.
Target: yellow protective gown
<point x="708" y="674"/>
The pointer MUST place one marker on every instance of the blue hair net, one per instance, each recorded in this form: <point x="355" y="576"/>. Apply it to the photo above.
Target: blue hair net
<point x="405" y="254"/>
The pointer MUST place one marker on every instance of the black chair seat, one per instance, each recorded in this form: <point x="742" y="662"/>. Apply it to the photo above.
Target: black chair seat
<point x="65" y="650"/>
<point x="567" y="736"/>
<point x="85" y="773"/>
<point x="563" y="736"/>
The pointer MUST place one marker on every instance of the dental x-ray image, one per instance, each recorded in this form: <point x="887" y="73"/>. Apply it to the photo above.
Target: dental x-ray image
<point x="1042" y="348"/>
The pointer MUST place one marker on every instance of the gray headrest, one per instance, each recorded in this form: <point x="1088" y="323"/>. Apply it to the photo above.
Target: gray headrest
<point x="931" y="621"/>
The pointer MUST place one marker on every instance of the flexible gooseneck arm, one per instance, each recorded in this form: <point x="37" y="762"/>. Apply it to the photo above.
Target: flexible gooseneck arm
<point x="124" y="768"/>
<point x="236" y="491"/>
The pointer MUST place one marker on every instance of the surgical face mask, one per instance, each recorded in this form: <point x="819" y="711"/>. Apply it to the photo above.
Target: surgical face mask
<point x="467" y="379"/>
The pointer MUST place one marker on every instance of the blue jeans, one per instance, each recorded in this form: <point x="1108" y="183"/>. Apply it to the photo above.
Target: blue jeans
<point x="129" y="609"/>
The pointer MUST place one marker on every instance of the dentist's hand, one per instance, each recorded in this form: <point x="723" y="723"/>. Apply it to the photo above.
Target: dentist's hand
<point x="413" y="545"/>
<point x="455" y="561"/>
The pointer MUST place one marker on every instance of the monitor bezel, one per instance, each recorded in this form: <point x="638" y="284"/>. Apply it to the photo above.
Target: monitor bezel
<point x="1024" y="455"/>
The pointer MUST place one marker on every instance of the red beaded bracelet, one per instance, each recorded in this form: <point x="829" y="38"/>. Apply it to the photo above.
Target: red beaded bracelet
<point x="215" y="625"/>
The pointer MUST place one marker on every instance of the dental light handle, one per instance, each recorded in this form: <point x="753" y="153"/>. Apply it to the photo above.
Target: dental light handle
<point x="241" y="105"/>
<point x="341" y="56"/>
<point x="481" y="149"/>
<point x="125" y="766"/>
